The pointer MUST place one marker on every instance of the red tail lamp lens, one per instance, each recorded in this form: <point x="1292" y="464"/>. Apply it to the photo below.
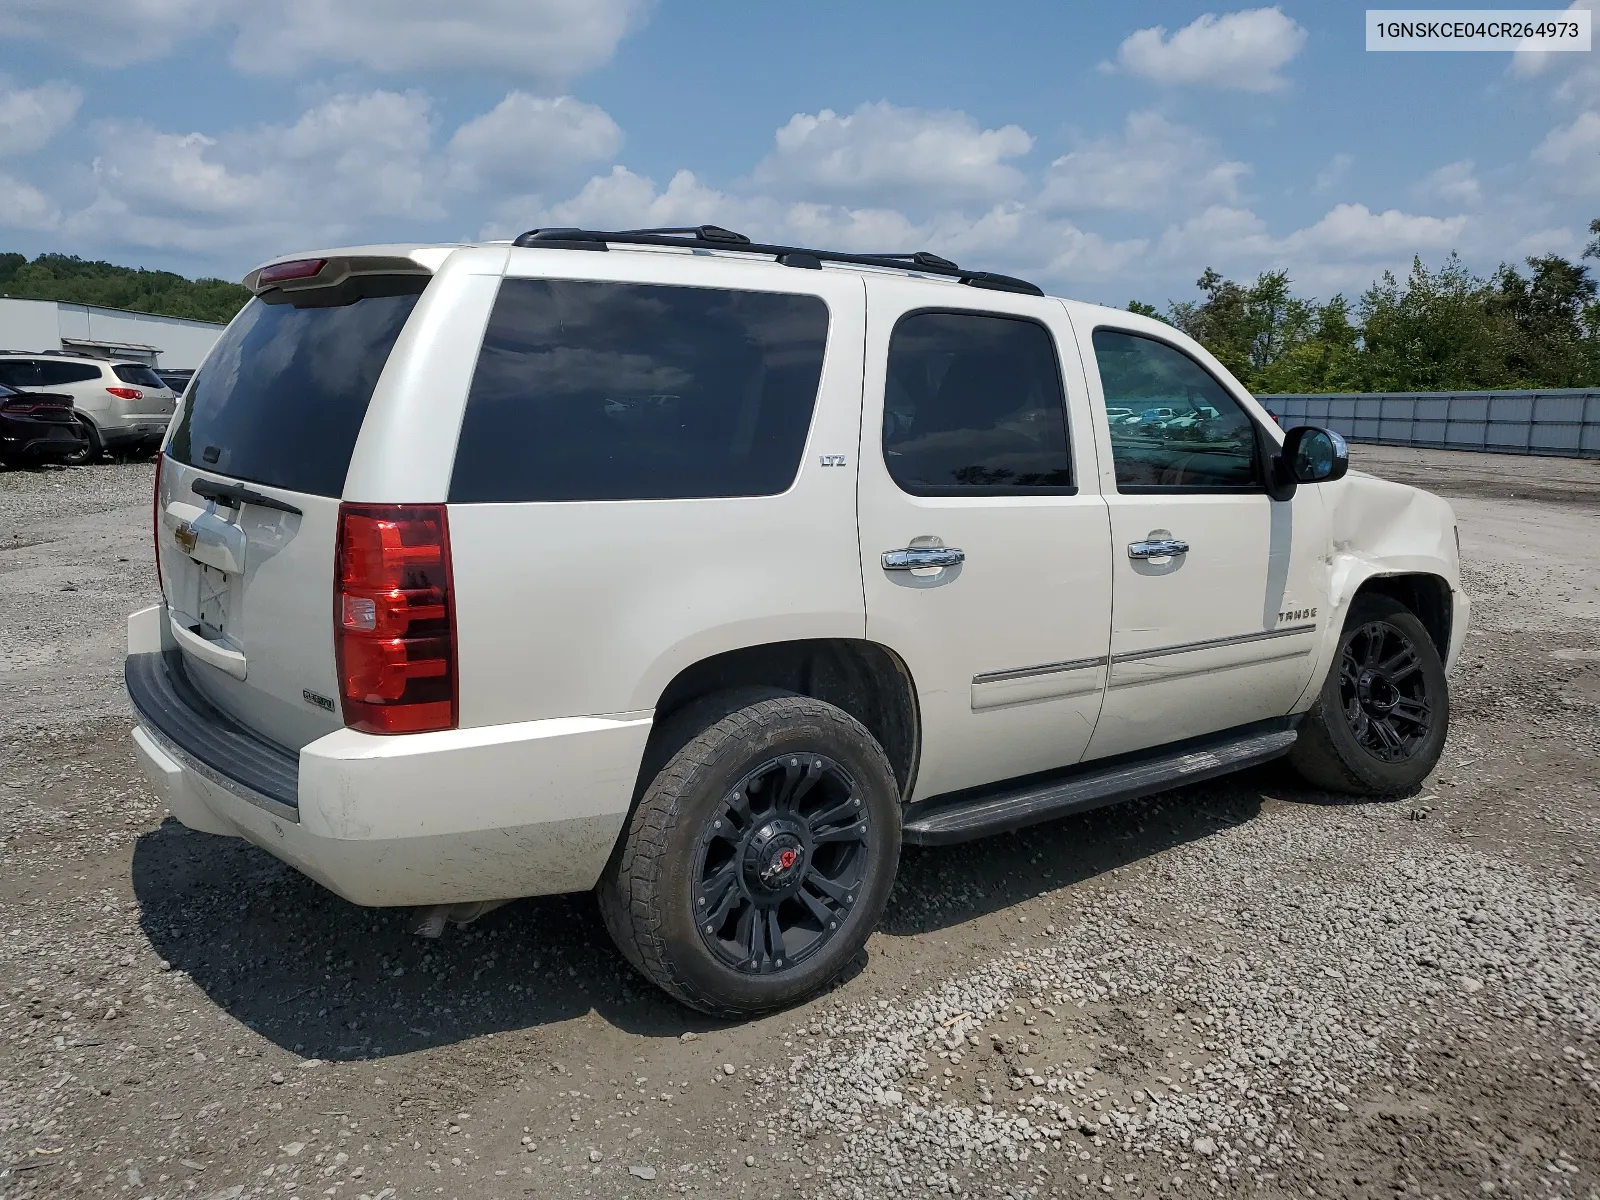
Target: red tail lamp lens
<point x="300" y="268"/>
<point x="394" y="629"/>
<point x="126" y="393"/>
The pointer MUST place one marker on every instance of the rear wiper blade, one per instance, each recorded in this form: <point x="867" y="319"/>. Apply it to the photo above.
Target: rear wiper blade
<point x="234" y="494"/>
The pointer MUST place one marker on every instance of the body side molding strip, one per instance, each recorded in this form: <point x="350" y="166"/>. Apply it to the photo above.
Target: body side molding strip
<point x="1076" y="664"/>
<point x="1213" y="643"/>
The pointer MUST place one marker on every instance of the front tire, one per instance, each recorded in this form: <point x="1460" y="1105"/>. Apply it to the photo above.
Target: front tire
<point x="1379" y="724"/>
<point x="759" y="858"/>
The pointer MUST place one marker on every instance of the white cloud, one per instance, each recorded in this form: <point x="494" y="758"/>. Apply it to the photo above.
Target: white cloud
<point x="1238" y="51"/>
<point x="1333" y="174"/>
<point x="110" y="32"/>
<point x="23" y="206"/>
<point x="1355" y="231"/>
<point x="344" y="164"/>
<point x="527" y="139"/>
<point x="548" y="40"/>
<point x="1155" y="164"/>
<point x="1571" y="153"/>
<point x="882" y="151"/>
<point x="1455" y="184"/>
<point x="30" y="117"/>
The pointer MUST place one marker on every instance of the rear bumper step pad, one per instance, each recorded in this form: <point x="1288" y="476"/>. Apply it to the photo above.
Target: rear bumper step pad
<point x="170" y="706"/>
<point x="962" y="816"/>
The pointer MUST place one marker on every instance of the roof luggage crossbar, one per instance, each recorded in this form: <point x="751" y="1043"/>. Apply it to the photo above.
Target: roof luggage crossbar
<point x="714" y="237"/>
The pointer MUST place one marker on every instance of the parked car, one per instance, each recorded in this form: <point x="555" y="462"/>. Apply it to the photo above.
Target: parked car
<point x="38" y="427"/>
<point x="176" y="378"/>
<point x="456" y="608"/>
<point x="124" y="406"/>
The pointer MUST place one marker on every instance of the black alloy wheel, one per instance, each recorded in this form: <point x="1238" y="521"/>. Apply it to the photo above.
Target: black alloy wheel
<point x="780" y="863"/>
<point x="1381" y="718"/>
<point x="1384" y="692"/>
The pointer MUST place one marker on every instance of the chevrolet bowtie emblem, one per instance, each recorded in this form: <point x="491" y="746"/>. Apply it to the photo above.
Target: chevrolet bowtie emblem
<point x="184" y="535"/>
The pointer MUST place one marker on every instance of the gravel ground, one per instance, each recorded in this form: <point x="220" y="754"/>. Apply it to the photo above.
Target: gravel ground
<point x="1242" y="988"/>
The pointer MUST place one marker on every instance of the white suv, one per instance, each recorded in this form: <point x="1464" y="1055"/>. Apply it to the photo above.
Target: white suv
<point x="124" y="406"/>
<point x="707" y="573"/>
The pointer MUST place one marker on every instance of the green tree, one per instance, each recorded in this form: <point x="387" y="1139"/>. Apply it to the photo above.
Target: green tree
<point x="78" y="281"/>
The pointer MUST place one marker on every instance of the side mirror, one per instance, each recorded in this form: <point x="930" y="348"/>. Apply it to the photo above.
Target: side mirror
<point x="1312" y="454"/>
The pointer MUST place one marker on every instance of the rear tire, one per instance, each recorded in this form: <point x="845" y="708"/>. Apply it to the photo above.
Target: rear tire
<point x="760" y="856"/>
<point x="1379" y="724"/>
<point x="90" y="453"/>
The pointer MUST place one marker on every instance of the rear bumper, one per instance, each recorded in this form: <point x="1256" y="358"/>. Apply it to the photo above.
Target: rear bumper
<point x="21" y="438"/>
<point x="435" y="818"/>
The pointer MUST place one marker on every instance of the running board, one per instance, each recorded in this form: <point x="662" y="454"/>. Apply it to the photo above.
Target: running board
<point x="962" y="816"/>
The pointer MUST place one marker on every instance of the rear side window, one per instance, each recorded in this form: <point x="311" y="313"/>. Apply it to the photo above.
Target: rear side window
<point x="623" y="391"/>
<point x="139" y="376"/>
<point x="973" y="404"/>
<point x="54" y="374"/>
<point x="282" y="396"/>
<point x="19" y="373"/>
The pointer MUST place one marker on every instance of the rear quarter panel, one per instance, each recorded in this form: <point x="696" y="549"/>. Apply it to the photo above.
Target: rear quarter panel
<point x="579" y="608"/>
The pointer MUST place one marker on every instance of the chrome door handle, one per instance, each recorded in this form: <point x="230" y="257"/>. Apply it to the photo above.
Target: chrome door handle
<point x="913" y="557"/>
<point x="1158" y="548"/>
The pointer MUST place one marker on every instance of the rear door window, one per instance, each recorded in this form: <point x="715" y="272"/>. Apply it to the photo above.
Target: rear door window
<point x="622" y="391"/>
<point x="139" y="376"/>
<point x="973" y="404"/>
<point x="19" y="373"/>
<point x="283" y="394"/>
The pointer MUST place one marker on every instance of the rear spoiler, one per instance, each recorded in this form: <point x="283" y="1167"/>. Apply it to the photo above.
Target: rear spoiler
<point x="336" y="280"/>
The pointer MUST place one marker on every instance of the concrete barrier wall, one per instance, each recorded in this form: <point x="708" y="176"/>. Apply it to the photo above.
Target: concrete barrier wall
<point x="1558" y="421"/>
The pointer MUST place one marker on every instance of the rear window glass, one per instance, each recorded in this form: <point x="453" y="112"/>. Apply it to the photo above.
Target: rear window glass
<point x="137" y="375"/>
<point x="283" y="393"/>
<point x="621" y="391"/>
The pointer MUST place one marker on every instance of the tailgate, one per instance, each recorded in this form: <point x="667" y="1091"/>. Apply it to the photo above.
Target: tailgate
<point x="247" y="505"/>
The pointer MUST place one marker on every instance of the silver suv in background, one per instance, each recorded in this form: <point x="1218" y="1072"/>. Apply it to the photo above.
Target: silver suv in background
<point x="124" y="406"/>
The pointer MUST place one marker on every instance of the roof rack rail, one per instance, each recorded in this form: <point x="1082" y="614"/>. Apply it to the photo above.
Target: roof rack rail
<point x="714" y="237"/>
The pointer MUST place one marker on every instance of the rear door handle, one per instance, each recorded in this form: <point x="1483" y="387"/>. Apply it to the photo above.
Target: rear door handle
<point x="1158" y="548"/>
<point x="913" y="557"/>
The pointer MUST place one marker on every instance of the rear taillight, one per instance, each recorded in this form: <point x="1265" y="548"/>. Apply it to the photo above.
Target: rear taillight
<point x="155" y="525"/>
<point x="394" y="628"/>
<point x="126" y="393"/>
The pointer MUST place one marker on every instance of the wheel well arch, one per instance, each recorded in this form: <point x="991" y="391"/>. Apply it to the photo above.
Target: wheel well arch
<point x="1428" y="598"/>
<point x="865" y="679"/>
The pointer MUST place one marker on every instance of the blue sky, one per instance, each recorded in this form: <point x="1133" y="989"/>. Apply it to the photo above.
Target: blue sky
<point x="1109" y="152"/>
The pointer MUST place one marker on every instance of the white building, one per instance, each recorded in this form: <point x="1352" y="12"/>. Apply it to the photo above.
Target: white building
<point x="34" y="325"/>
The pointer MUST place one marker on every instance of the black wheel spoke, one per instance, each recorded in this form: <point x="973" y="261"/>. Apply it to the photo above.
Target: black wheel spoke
<point x="827" y="887"/>
<point x="845" y="833"/>
<point x="775" y="937"/>
<point x="719" y="904"/>
<point x="1415" y="711"/>
<point x="755" y="937"/>
<point x="837" y="813"/>
<point x="825" y="915"/>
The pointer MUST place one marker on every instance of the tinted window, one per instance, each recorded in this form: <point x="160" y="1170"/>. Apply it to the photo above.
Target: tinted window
<point x="1172" y="424"/>
<point x="621" y="391"/>
<point x="974" y="402"/>
<point x="283" y="394"/>
<point x="54" y="374"/>
<point x="137" y="375"/>
<point x="19" y="373"/>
